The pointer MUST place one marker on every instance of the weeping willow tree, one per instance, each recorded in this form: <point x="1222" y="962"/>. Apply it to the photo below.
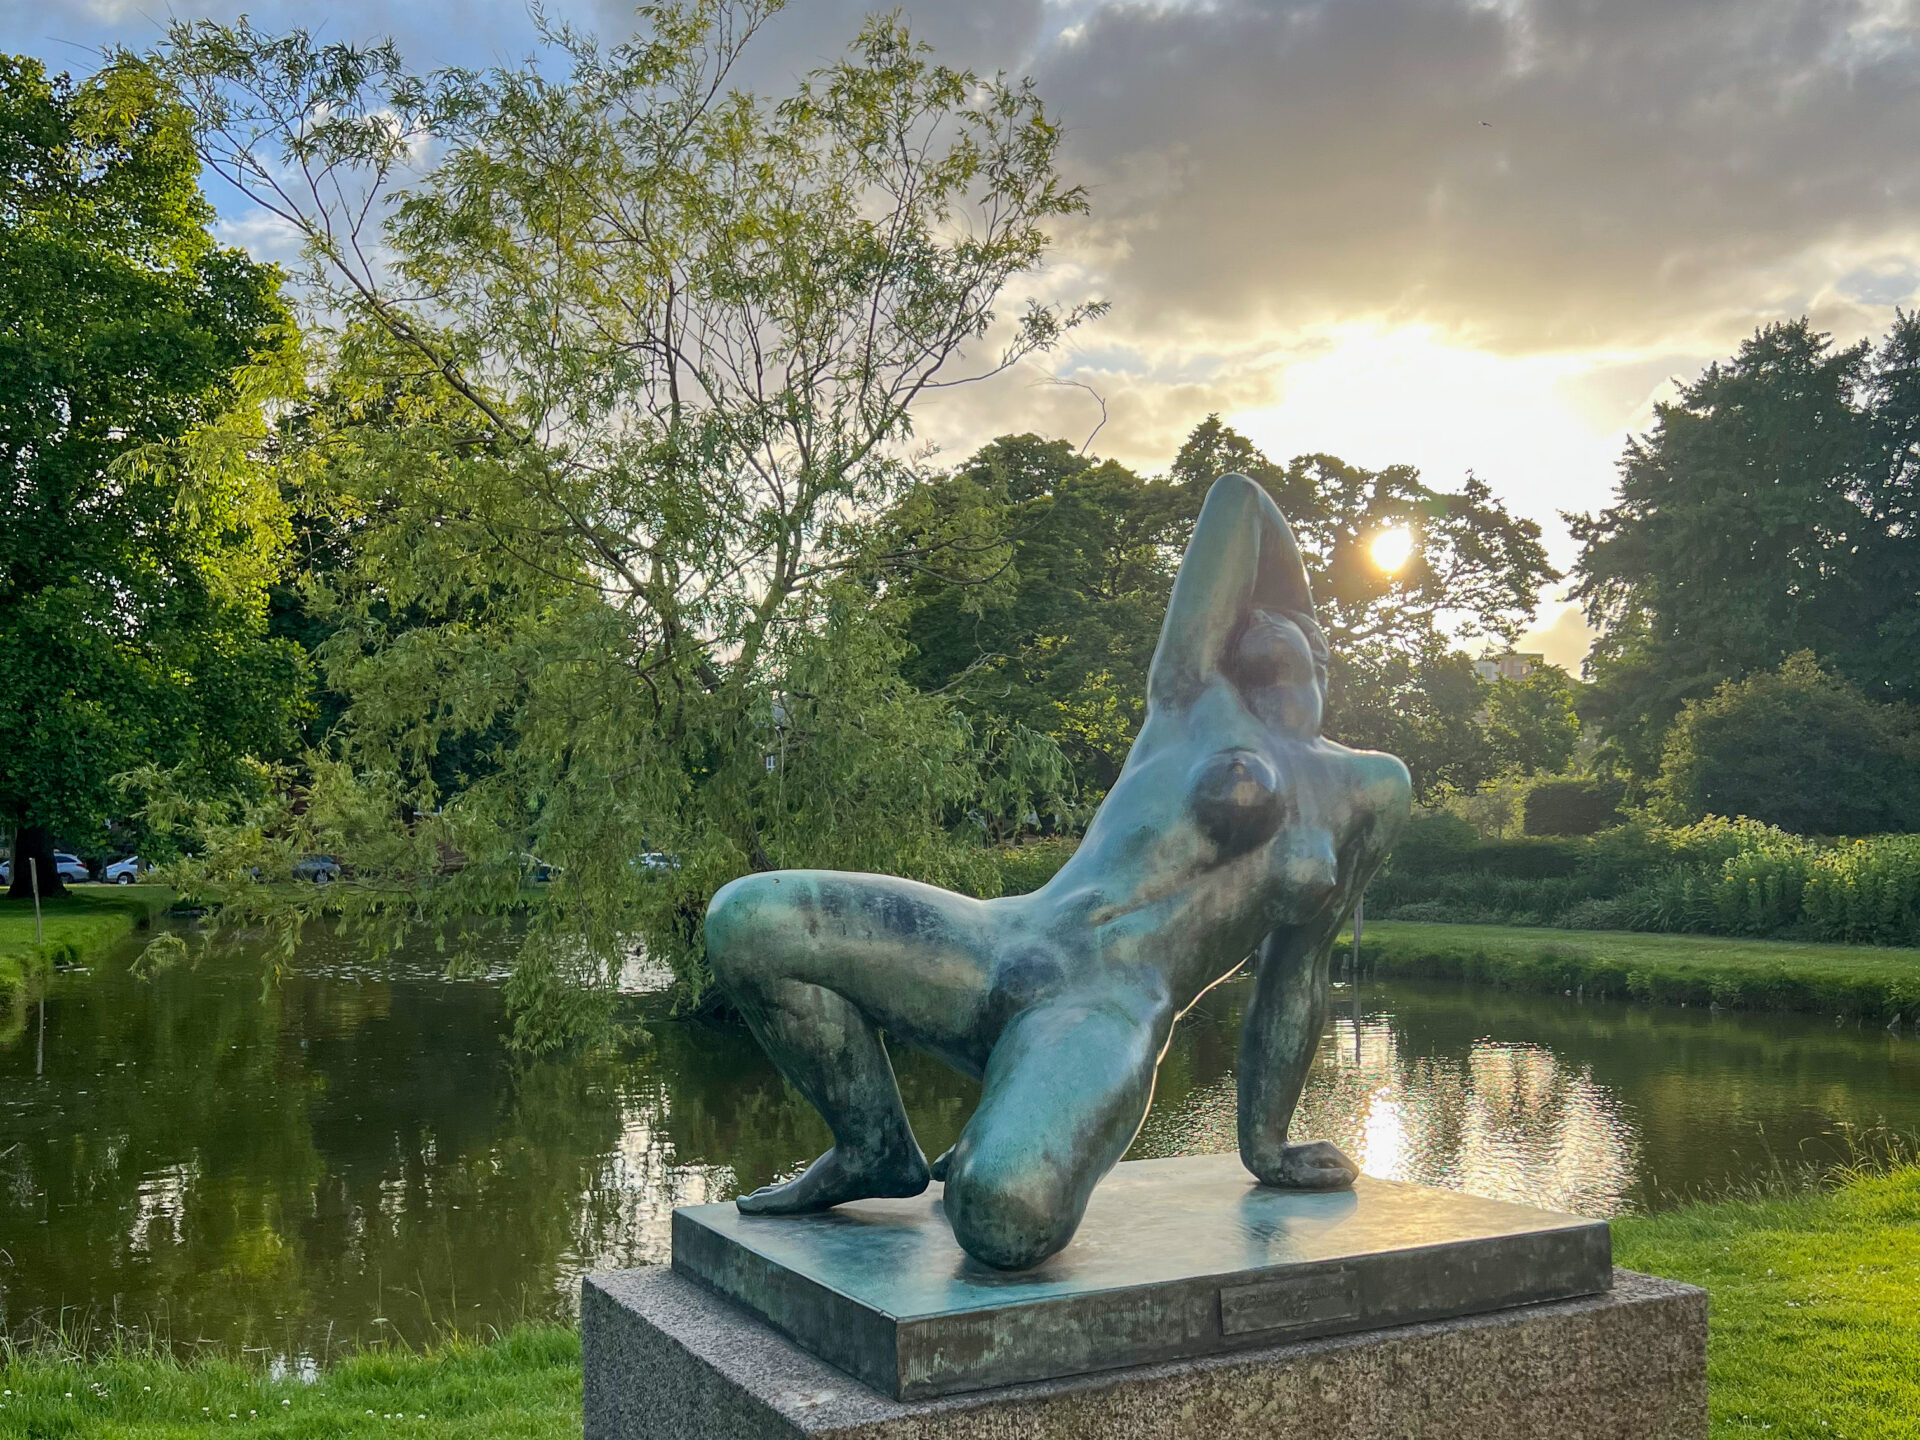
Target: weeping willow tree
<point x="614" y="365"/>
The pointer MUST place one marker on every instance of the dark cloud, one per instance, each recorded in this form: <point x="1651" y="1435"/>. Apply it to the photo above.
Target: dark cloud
<point x="1534" y="173"/>
<point x="1647" y="174"/>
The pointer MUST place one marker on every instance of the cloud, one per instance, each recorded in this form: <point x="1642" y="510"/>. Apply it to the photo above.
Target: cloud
<point x="1564" y="638"/>
<point x="1539" y="174"/>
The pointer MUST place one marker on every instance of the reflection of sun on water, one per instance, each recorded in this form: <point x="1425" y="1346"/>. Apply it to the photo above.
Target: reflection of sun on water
<point x="1511" y="1122"/>
<point x="1383" y="1139"/>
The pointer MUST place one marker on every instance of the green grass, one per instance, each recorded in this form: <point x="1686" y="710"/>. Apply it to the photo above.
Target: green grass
<point x="88" y="921"/>
<point x="1813" y="1333"/>
<point x="1814" y="1319"/>
<point x="525" y="1385"/>
<point x="1871" y="982"/>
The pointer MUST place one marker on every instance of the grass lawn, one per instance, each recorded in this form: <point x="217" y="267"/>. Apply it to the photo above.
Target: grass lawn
<point x="1815" y="1335"/>
<point x="525" y="1386"/>
<point x="89" y="920"/>
<point x="1814" y="1324"/>
<point x="1873" y="982"/>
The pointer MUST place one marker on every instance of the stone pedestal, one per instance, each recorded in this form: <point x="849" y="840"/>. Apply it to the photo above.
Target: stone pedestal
<point x="666" y="1359"/>
<point x="1174" y="1259"/>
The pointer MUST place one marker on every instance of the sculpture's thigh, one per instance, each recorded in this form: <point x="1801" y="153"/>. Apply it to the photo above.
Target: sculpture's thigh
<point x="1066" y="1089"/>
<point x="913" y="958"/>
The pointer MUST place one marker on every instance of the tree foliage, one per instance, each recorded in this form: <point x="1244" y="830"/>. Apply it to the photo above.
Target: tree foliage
<point x="1047" y="574"/>
<point x="1040" y="599"/>
<point x="1774" y="507"/>
<point x="1474" y="569"/>
<point x="1532" y="724"/>
<point x="1798" y="747"/>
<point x="137" y="533"/>
<point x="620" y="364"/>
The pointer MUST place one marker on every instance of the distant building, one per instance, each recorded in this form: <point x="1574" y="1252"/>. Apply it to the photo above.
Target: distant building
<point x="1514" y="665"/>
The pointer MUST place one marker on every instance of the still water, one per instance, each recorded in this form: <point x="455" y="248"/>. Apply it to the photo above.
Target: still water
<point x="352" y="1153"/>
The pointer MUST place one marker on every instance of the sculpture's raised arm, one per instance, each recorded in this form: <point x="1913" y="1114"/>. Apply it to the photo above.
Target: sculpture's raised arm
<point x="1242" y="558"/>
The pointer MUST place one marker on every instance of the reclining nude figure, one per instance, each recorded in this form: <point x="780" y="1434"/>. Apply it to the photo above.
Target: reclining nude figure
<point x="1234" y="830"/>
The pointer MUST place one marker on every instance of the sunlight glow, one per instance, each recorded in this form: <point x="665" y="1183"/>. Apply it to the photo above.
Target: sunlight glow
<point x="1545" y="431"/>
<point x="1392" y="548"/>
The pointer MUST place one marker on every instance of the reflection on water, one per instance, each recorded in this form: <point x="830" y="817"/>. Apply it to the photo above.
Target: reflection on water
<point x="1507" y="1119"/>
<point x="352" y="1153"/>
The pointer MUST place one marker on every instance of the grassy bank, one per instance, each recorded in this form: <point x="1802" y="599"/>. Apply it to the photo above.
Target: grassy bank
<point x="1814" y="1329"/>
<point x="86" y="922"/>
<point x="525" y="1386"/>
<point x="1870" y="982"/>
<point x="1813" y="1334"/>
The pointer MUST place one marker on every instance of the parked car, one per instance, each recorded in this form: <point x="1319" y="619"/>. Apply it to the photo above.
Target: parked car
<point x="320" y="869"/>
<point x="656" y="861"/>
<point x="70" y="867"/>
<point x="123" y="872"/>
<point x="538" y="870"/>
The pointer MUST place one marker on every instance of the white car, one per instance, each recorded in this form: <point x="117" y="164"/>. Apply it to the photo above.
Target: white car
<point x="123" y="872"/>
<point x="69" y="866"/>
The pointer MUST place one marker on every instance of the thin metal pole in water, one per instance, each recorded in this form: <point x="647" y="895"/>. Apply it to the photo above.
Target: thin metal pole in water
<point x="1359" y="907"/>
<point x="40" y="942"/>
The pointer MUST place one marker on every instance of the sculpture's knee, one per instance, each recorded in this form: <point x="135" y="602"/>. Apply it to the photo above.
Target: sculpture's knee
<point x="1010" y="1216"/>
<point x="736" y="931"/>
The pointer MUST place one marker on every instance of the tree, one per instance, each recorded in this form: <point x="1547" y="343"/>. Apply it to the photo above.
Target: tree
<point x="1771" y="509"/>
<point x="1051" y="570"/>
<point x="1798" y="747"/>
<point x="1532" y="724"/>
<point x="1396" y="680"/>
<point x="132" y="570"/>
<point x="1473" y="569"/>
<point x="1421" y="702"/>
<point x="617" y="382"/>
<point x="1040" y="599"/>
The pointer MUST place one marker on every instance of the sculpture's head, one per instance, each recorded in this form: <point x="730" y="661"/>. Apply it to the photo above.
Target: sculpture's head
<point x="1242" y="612"/>
<point x="1278" y="663"/>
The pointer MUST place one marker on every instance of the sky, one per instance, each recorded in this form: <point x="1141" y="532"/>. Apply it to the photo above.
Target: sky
<point x="1480" y="235"/>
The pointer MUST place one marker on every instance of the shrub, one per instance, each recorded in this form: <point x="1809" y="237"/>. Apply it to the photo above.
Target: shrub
<point x="1433" y="841"/>
<point x="1540" y="858"/>
<point x="1798" y="747"/>
<point x="1717" y="876"/>
<point x="1570" y="807"/>
<point x="1868" y="891"/>
<point x="1025" y="868"/>
<point x="1759" y="890"/>
<point x="1677" y="900"/>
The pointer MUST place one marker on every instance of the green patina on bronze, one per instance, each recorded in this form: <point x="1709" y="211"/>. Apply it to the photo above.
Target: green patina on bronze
<point x="1235" y="830"/>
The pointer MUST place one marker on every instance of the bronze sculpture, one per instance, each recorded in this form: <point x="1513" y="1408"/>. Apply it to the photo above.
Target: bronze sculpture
<point x="1233" y="830"/>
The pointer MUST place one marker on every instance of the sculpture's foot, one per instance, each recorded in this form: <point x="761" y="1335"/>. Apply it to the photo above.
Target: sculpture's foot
<point x="939" y="1167"/>
<point x="837" y="1177"/>
<point x="1316" y="1165"/>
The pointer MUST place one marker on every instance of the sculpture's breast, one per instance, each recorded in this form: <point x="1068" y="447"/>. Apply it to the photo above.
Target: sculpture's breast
<point x="1236" y="799"/>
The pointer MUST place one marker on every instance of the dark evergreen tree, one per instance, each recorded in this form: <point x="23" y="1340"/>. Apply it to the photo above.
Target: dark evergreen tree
<point x="1770" y="510"/>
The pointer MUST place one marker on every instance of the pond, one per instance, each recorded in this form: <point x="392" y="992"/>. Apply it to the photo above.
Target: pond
<point x="352" y="1153"/>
